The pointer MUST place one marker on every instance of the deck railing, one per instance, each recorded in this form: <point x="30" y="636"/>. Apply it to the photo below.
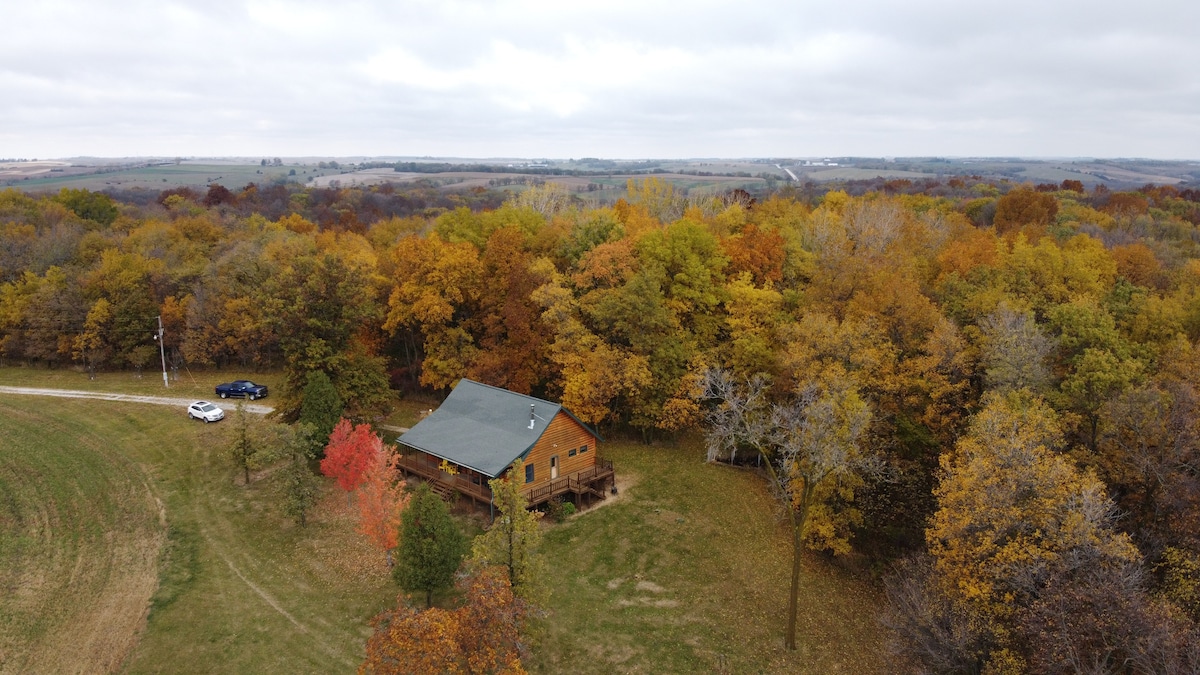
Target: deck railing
<point x="429" y="468"/>
<point x="578" y="483"/>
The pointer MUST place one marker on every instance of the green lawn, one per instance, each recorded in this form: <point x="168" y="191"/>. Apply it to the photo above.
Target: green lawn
<point x="408" y="411"/>
<point x="686" y="571"/>
<point x="80" y="536"/>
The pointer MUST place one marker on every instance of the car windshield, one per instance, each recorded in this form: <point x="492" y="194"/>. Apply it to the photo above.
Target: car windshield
<point x="207" y="407"/>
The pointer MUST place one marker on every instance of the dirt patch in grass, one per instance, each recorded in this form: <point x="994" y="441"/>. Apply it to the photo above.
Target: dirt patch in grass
<point x="649" y="586"/>
<point x="623" y="481"/>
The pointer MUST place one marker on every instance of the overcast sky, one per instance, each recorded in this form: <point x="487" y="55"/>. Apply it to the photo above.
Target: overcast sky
<point x="616" y="79"/>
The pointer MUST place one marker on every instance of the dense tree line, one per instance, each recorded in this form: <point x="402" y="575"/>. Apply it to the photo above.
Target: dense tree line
<point x="957" y="311"/>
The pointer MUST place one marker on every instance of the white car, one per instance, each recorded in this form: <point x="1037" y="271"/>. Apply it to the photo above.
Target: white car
<point x="203" y="410"/>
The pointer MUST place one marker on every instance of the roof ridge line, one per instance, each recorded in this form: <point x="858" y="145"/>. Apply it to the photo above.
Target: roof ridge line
<point x="509" y="391"/>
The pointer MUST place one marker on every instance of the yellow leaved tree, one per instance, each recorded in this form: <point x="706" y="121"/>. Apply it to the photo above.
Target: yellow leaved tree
<point x="1012" y="512"/>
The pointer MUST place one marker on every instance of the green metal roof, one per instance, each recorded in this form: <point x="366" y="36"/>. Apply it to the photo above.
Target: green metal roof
<point x="482" y="427"/>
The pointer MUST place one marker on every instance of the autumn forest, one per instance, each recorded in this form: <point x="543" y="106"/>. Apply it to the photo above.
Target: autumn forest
<point x="989" y="391"/>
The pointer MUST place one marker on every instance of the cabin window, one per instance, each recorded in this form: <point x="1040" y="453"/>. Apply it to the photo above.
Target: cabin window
<point x="528" y="473"/>
<point x="572" y="452"/>
<point x="583" y="449"/>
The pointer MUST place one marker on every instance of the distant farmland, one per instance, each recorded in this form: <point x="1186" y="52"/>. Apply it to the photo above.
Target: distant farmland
<point x="595" y="180"/>
<point x="473" y="179"/>
<point x="153" y="177"/>
<point x="39" y="177"/>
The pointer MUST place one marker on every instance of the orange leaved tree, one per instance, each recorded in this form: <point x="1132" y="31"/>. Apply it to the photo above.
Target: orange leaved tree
<point x="481" y="636"/>
<point x="408" y="641"/>
<point x="381" y="499"/>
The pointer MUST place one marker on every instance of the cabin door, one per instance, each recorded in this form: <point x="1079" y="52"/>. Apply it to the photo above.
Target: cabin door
<point x="553" y="467"/>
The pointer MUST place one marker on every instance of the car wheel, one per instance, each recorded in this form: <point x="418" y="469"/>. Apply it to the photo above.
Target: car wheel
<point x="191" y="416"/>
<point x="206" y="420"/>
<point x="224" y="395"/>
<point x="252" y="397"/>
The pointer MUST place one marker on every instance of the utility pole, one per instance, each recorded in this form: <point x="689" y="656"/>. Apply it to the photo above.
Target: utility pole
<point x="162" y="352"/>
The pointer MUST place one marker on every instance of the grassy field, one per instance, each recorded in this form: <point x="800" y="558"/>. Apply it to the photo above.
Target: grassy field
<point x="685" y="571"/>
<point x="232" y="175"/>
<point x="232" y="585"/>
<point x="80" y="536"/>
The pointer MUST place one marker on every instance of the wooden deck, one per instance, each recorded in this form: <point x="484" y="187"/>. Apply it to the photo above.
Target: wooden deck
<point x="428" y="468"/>
<point x="589" y="483"/>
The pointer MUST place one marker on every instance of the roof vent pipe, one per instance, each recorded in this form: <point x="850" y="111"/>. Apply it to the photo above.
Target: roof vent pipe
<point x="531" y="415"/>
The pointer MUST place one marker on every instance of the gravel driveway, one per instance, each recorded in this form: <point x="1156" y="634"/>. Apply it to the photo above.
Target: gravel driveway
<point x="106" y="396"/>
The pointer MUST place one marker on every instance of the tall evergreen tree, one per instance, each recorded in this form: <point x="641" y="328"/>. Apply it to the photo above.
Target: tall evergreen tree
<point x="250" y="444"/>
<point x="431" y="545"/>
<point x="321" y="406"/>
<point x="300" y="487"/>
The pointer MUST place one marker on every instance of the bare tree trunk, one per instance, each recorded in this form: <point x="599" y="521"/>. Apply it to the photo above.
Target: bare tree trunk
<point x="799" y="520"/>
<point x="793" y="597"/>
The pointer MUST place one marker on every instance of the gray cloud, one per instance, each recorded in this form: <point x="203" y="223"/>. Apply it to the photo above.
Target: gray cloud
<point x="614" y="79"/>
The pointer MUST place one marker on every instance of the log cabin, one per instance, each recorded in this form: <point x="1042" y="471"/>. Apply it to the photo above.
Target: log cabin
<point x="480" y="431"/>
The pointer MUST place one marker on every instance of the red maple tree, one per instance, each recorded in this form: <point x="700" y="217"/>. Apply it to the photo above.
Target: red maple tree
<point x="350" y="451"/>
